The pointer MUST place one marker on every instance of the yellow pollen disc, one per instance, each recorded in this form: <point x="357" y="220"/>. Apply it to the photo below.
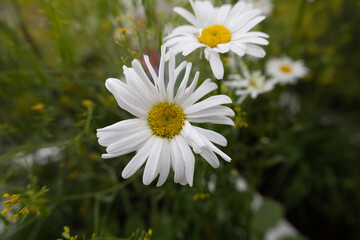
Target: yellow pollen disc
<point x="285" y="68"/>
<point x="253" y="84"/>
<point x="214" y="35"/>
<point x="166" y="120"/>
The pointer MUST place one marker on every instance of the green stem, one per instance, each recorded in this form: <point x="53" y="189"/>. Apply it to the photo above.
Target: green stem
<point x="114" y="188"/>
<point x="96" y="215"/>
<point x="24" y="30"/>
<point x="297" y="25"/>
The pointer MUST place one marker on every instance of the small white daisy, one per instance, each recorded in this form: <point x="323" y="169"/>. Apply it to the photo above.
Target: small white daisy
<point x="265" y="6"/>
<point x="218" y="30"/>
<point x="286" y="70"/>
<point x="252" y="83"/>
<point x="161" y="132"/>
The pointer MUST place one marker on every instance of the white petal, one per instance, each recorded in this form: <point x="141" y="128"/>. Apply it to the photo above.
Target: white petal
<point x="219" y="152"/>
<point x="188" y="158"/>
<point x="125" y="98"/>
<point x="181" y="90"/>
<point x="165" y="161"/>
<point x="214" y="111"/>
<point x="212" y="136"/>
<point x="192" y="137"/>
<point x="171" y="83"/>
<point x="151" y="70"/>
<point x="145" y="80"/>
<point x="210" y="157"/>
<point x="255" y="50"/>
<point x="239" y="35"/>
<point x="206" y="87"/>
<point x="252" y="23"/>
<point x="191" y="47"/>
<point x="139" y="159"/>
<point x="153" y="162"/>
<point x="137" y="87"/>
<point x="181" y="40"/>
<point x="114" y="132"/>
<point x="193" y="84"/>
<point x="255" y="40"/>
<point x="236" y="9"/>
<point x="241" y="21"/>
<point x="216" y="65"/>
<point x="204" y="12"/>
<point x="176" y="160"/>
<point x="223" y="13"/>
<point x="187" y="15"/>
<point x="130" y="142"/>
<point x="211" y="147"/>
<point x="181" y="30"/>
<point x="179" y="68"/>
<point x="161" y="83"/>
<point x="236" y="48"/>
<point x="213" y="119"/>
<point x="222" y="48"/>
<point x="207" y="103"/>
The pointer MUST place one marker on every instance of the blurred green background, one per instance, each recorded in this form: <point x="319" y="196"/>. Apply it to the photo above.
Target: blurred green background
<point x="300" y="150"/>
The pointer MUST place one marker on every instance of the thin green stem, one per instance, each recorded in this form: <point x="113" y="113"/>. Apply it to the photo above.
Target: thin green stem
<point x="112" y="189"/>
<point x="96" y="215"/>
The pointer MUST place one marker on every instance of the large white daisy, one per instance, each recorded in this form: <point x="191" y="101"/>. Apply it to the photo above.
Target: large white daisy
<point x="218" y="30"/>
<point x="286" y="70"/>
<point x="161" y="132"/>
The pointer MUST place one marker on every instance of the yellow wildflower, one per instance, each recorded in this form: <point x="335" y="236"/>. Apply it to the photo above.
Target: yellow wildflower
<point x="66" y="229"/>
<point x="201" y="196"/>
<point x="6" y="195"/>
<point x="87" y="103"/>
<point x="121" y="31"/>
<point x="38" y="107"/>
<point x="5" y="211"/>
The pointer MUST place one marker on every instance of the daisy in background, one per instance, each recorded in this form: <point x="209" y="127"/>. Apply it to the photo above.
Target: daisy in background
<point x="286" y="70"/>
<point x="162" y="133"/>
<point x="265" y="6"/>
<point x="218" y="30"/>
<point x="251" y="83"/>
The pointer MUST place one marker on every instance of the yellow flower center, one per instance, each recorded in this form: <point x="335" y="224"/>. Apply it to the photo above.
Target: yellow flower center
<point x="166" y="120"/>
<point x="253" y="84"/>
<point x="285" y="68"/>
<point x="214" y="35"/>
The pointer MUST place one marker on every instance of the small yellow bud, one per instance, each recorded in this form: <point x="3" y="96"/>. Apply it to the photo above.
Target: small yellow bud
<point x="6" y="195"/>
<point x="66" y="229"/>
<point x="38" y="107"/>
<point x="121" y="31"/>
<point x="87" y="103"/>
<point x="5" y="211"/>
<point x="24" y="211"/>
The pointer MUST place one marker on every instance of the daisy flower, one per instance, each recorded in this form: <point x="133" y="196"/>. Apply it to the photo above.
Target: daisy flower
<point x="218" y="30"/>
<point x="265" y="6"/>
<point x="253" y="83"/>
<point x="162" y="133"/>
<point x="286" y="70"/>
